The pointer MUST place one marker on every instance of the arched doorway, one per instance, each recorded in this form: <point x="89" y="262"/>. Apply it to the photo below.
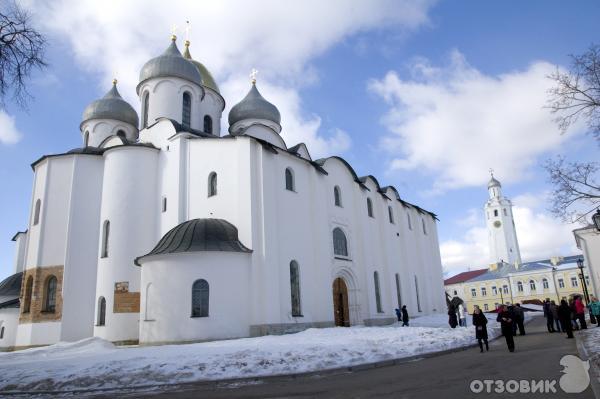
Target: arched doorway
<point x="340" y="303"/>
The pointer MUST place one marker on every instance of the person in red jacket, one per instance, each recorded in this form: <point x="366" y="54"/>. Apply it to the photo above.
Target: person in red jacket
<point x="580" y="312"/>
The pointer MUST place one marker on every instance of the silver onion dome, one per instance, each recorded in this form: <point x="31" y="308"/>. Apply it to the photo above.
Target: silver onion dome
<point x="494" y="183"/>
<point x="111" y="106"/>
<point x="170" y="64"/>
<point x="254" y="106"/>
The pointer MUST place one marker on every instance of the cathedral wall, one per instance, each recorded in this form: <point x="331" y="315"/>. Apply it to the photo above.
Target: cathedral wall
<point x="130" y="203"/>
<point x="9" y="319"/>
<point x="20" y="245"/>
<point x="167" y="302"/>
<point x="33" y="334"/>
<point x="34" y="232"/>
<point x="100" y="129"/>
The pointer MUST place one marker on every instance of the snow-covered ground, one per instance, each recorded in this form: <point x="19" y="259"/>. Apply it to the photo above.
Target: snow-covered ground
<point x="94" y="363"/>
<point x="591" y="343"/>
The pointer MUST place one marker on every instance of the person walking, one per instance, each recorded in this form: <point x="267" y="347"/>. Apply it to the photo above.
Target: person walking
<point x="564" y="314"/>
<point x="505" y="318"/>
<point x="519" y="318"/>
<point x="452" y="319"/>
<point x="404" y="316"/>
<point x="554" y="312"/>
<point x="571" y="303"/>
<point x="594" y="306"/>
<point x="580" y="312"/>
<point x="548" y="315"/>
<point x="480" y="323"/>
<point x="511" y="310"/>
<point x="462" y="315"/>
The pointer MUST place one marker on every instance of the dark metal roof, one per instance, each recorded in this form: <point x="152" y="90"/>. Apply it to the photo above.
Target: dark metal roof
<point x="199" y="235"/>
<point x="17" y="233"/>
<point x="254" y="106"/>
<point x="111" y="106"/>
<point x="13" y="303"/>
<point x="11" y="286"/>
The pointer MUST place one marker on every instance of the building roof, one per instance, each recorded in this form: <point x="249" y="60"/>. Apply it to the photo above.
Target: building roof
<point x="13" y="303"/>
<point x="170" y="64"/>
<point x="254" y="106"/>
<point x="111" y="106"/>
<point x="11" y="286"/>
<point x="199" y="235"/>
<point x="494" y="183"/>
<point x="464" y="276"/>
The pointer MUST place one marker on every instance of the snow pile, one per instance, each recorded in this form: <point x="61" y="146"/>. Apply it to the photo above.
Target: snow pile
<point x="95" y="363"/>
<point x="591" y="343"/>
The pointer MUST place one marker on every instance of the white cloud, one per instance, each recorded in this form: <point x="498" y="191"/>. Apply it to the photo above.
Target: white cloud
<point x="9" y="134"/>
<point x="230" y="37"/>
<point x="456" y="122"/>
<point x="540" y="237"/>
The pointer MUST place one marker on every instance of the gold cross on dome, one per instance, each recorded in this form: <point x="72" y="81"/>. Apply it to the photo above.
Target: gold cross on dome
<point x="253" y="74"/>
<point x="492" y="172"/>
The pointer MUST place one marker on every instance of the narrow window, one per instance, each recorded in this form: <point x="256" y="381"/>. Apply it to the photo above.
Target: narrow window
<point x="28" y="293"/>
<point x="36" y="212"/>
<point x="473" y="292"/>
<point x="295" y="289"/>
<point x="520" y="286"/>
<point x="164" y="204"/>
<point x="409" y="221"/>
<point x="505" y="289"/>
<point x="398" y="292"/>
<point x="494" y="291"/>
<point x="212" y="184"/>
<point x="483" y="291"/>
<point x="561" y="283"/>
<point x="377" y="292"/>
<point x="148" y="313"/>
<point x="145" y="106"/>
<point x="532" y="285"/>
<point x="337" y="196"/>
<point x="391" y="214"/>
<point x="186" y="113"/>
<point x="86" y="138"/>
<point x="505" y="214"/>
<point x="485" y="307"/>
<point x="50" y="302"/>
<point x="289" y="179"/>
<point x="417" y="291"/>
<point x="573" y="281"/>
<point x="545" y="283"/>
<point x="340" y="245"/>
<point x="105" y="237"/>
<point x="495" y="212"/>
<point x="101" y="311"/>
<point x="208" y="124"/>
<point x="2" y="333"/>
<point x="200" y="298"/>
<point x="424" y="227"/>
<point x="369" y="207"/>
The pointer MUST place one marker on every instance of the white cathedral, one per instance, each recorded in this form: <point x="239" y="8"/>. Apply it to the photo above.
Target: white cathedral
<point x="171" y="232"/>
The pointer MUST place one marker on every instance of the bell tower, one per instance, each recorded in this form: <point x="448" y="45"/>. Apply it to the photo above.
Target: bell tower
<point x="502" y="234"/>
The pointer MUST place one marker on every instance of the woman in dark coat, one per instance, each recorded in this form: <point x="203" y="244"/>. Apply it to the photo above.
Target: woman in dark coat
<point x="506" y="320"/>
<point x="564" y="315"/>
<point x="404" y="316"/>
<point x="452" y="319"/>
<point x="480" y="323"/>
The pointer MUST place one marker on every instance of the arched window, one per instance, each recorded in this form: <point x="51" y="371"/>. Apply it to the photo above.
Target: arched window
<point x="295" y="289"/>
<point x="520" y="286"/>
<point x="495" y="212"/>
<point x="2" y="333"/>
<point x="409" y="221"/>
<point x="340" y="245"/>
<point x="50" y="291"/>
<point x="532" y="284"/>
<point x="36" y="212"/>
<point x="391" y="214"/>
<point x="424" y="227"/>
<point x="86" y="138"/>
<point x="200" y="298"/>
<point x="337" y="196"/>
<point x="101" y="311"/>
<point x="208" y="124"/>
<point x="212" y="184"/>
<point x="186" y="113"/>
<point x="399" y="291"/>
<point x="418" y="297"/>
<point x="27" y="296"/>
<point x="369" y="207"/>
<point x="145" y="106"/>
<point x="545" y="283"/>
<point x="289" y="179"/>
<point x="105" y="237"/>
<point x="164" y="204"/>
<point x="377" y="292"/>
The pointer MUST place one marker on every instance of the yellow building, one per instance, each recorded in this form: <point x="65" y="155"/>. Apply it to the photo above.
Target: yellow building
<point x="554" y="278"/>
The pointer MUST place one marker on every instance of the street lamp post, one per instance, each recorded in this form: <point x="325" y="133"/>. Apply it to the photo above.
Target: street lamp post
<point x="582" y="277"/>
<point x="555" y="286"/>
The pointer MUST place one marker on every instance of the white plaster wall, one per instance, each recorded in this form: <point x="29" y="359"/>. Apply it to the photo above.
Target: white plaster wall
<point x="34" y="231"/>
<point x="588" y="241"/>
<point x="20" y="245"/>
<point x="9" y="319"/>
<point x="31" y="334"/>
<point x="100" y="129"/>
<point x="131" y="203"/>
<point x="166" y="312"/>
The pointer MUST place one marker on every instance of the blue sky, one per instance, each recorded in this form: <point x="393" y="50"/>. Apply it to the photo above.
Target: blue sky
<point x="426" y="96"/>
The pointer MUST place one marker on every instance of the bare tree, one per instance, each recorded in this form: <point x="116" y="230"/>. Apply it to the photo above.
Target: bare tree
<point x="577" y="92"/>
<point x="21" y="50"/>
<point x="576" y="188"/>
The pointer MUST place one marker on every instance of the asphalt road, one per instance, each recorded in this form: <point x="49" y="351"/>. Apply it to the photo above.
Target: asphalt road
<point x="537" y="357"/>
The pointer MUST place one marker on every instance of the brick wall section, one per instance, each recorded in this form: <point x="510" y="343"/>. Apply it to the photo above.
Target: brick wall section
<point x="125" y="301"/>
<point x="40" y="276"/>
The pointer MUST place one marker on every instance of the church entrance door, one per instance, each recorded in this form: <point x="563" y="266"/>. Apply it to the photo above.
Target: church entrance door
<point x="340" y="303"/>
